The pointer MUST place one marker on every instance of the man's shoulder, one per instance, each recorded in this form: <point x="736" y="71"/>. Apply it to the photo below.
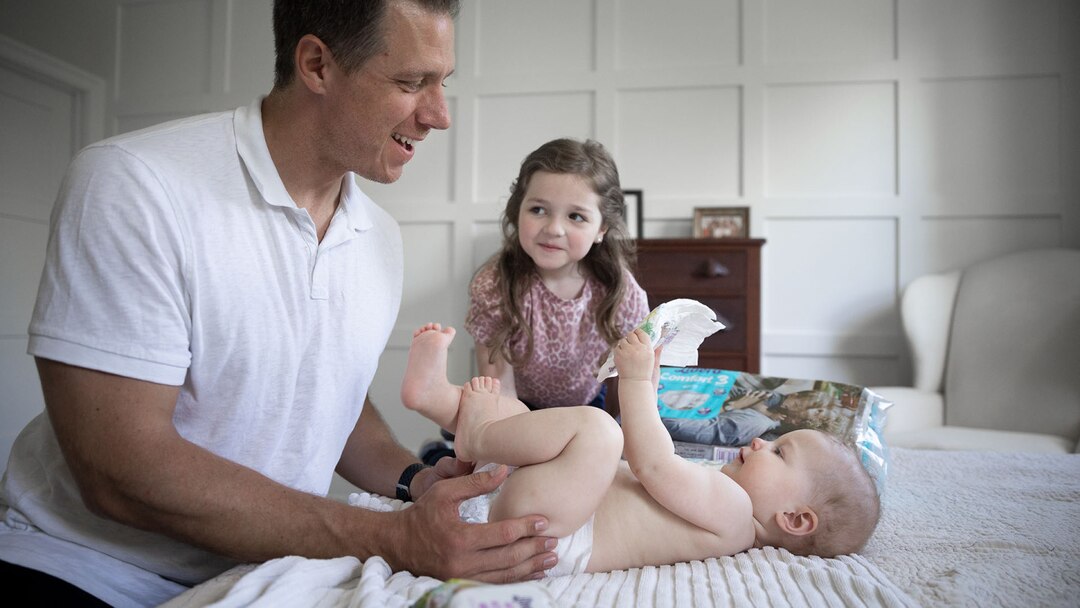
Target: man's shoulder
<point x="188" y="131"/>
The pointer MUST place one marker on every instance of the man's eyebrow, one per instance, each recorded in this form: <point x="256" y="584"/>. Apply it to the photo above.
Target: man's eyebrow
<point x="421" y="74"/>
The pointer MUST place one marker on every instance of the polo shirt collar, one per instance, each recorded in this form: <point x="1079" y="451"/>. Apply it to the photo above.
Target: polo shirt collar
<point x="251" y="145"/>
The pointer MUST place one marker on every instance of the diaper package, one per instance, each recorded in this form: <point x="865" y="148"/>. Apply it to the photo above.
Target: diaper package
<point x="710" y="413"/>
<point x="464" y="593"/>
<point x="680" y="326"/>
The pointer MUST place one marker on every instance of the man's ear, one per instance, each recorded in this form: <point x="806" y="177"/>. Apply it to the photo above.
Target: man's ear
<point x="313" y="58"/>
<point x="799" y="522"/>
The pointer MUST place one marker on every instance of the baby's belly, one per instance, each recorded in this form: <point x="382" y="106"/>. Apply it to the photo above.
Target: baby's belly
<point x="632" y="530"/>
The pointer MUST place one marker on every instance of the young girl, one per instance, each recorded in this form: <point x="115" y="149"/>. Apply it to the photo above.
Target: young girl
<point x="546" y="309"/>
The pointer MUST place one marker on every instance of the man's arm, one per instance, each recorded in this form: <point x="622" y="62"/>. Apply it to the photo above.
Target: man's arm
<point x="131" y="465"/>
<point x="689" y="490"/>
<point x="373" y="459"/>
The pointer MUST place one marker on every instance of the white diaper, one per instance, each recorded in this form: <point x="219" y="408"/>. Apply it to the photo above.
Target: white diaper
<point x="680" y="326"/>
<point x="574" y="551"/>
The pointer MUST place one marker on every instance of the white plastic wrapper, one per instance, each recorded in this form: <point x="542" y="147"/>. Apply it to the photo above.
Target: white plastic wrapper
<point x="680" y="326"/>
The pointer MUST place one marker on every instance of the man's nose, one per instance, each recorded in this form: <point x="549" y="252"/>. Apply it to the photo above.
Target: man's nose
<point x="434" y="112"/>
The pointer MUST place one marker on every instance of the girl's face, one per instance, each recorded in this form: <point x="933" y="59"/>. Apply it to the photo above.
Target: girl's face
<point x="559" y="221"/>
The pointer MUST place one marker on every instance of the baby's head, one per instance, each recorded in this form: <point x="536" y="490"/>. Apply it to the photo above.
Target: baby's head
<point x="810" y="493"/>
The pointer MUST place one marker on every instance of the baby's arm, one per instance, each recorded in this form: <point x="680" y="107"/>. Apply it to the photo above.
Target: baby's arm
<point x="703" y="496"/>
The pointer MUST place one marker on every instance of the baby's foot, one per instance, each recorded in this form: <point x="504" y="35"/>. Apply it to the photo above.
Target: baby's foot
<point x="425" y="388"/>
<point x="478" y="408"/>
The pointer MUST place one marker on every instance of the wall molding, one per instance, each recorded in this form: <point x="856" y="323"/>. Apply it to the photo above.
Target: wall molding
<point x="87" y="89"/>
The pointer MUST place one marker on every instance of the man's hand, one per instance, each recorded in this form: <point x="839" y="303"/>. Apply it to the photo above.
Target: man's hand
<point x="446" y="468"/>
<point x="437" y="543"/>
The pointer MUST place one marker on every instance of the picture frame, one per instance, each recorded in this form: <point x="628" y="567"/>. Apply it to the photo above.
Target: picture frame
<point x="634" y="213"/>
<point x="721" y="222"/>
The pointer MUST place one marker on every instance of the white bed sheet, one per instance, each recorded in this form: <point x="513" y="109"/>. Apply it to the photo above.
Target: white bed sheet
<point x="958" y="529"/>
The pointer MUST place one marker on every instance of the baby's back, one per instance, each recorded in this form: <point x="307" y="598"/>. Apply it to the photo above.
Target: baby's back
<point x="632" y="530"/>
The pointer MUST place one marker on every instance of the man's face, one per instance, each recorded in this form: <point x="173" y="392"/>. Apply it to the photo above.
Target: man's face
<point x="379" y="114"/>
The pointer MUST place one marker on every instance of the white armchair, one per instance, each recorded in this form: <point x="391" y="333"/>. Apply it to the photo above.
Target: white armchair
<point x="996" y="357"/>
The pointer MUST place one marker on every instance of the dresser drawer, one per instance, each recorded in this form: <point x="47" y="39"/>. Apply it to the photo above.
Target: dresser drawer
<point x="723" y="274"/>
<point x="677" y="273"/>
<point x="729" y="362"/>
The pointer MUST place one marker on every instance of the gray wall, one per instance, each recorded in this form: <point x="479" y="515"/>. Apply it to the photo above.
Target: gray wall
<point x="872" y="140"/>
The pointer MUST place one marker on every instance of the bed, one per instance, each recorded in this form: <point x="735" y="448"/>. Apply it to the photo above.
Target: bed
<point x="957" y="529"/>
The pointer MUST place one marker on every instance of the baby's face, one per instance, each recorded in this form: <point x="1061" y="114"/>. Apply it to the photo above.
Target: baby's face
<point x="778" y="475"/>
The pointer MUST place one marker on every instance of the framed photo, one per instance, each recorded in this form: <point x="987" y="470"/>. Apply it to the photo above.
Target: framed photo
<point x="634" y="213"/>
<point x="721" y="222"/>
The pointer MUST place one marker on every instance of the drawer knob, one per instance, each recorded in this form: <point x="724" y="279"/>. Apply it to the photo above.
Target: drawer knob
<point x="712" y="269"/>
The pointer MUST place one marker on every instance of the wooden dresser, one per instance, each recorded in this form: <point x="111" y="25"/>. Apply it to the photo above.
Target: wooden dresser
<point x="723" y="274"/>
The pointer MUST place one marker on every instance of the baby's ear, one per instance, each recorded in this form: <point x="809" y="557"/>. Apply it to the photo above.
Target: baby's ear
<point x="799" y="522"/>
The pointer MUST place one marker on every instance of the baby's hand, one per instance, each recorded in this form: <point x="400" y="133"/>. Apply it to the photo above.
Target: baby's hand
<point x="634" y="357"/>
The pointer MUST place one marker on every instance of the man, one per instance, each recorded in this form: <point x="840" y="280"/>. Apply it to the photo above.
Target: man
<point x="215" y="299"/>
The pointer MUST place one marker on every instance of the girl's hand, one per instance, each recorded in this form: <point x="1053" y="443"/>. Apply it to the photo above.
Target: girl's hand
<point x="634" y="357"/>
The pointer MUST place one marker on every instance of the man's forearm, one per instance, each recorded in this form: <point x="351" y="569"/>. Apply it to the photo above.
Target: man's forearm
<point x="373" y="459"/>
<point x="132" y="466"/>
<point x="229" y="509"/>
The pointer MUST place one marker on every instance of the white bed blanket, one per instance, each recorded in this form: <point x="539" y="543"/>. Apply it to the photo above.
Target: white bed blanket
<point x="958" y="529"/>
<point x="757" y="578"/>
<point x="981" y="528"/>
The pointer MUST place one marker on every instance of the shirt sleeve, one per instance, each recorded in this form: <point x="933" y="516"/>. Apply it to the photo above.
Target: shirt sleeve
<point x="112" y="294"/>
<point x="484" y="316"/>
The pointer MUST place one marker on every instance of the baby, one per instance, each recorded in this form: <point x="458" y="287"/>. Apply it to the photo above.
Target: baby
<point x="805" y="492"/>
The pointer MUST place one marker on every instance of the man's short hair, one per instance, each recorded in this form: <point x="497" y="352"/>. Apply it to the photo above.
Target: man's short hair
<point x="352" y="29"/>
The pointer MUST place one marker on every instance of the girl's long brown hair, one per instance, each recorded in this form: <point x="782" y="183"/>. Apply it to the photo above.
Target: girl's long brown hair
<point x="606" y="260"/>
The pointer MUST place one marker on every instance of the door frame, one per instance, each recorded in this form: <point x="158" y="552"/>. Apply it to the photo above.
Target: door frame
<point x="87" y="89"/>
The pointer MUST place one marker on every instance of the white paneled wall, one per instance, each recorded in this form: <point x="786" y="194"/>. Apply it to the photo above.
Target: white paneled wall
<point x="48" y="110"/>
<point x="873" y="140"/>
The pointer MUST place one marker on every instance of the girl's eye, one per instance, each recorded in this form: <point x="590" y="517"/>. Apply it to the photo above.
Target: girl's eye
<point x="778" y="452"/>
<point x="536" y="210"/>
<point x="577" y="217"/>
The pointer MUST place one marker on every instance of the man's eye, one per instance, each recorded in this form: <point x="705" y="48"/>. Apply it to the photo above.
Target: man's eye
<point x="411" y="85"/>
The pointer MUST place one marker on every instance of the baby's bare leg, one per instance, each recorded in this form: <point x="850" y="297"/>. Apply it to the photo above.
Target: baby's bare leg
<point x="426" y="389"/>
<point x="568" y="456"/>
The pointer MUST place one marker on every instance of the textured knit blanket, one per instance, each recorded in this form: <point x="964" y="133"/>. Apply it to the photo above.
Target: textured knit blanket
<point x="981" y="529"/>
<point x="958" y="529"/>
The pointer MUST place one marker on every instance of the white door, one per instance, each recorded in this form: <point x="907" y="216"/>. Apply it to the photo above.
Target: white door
<point x="39" y="132"/>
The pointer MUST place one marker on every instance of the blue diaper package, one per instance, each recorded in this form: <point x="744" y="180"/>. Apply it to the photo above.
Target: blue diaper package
<point x="726" y="409"/>
<point x="710" y="413"/>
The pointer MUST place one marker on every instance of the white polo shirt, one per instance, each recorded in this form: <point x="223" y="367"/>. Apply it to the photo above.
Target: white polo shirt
<point x="177" y="256"/>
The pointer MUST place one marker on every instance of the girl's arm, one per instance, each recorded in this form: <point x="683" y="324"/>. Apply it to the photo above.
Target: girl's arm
<point x="703" y="496"/>
<point x="498" y="369"/>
